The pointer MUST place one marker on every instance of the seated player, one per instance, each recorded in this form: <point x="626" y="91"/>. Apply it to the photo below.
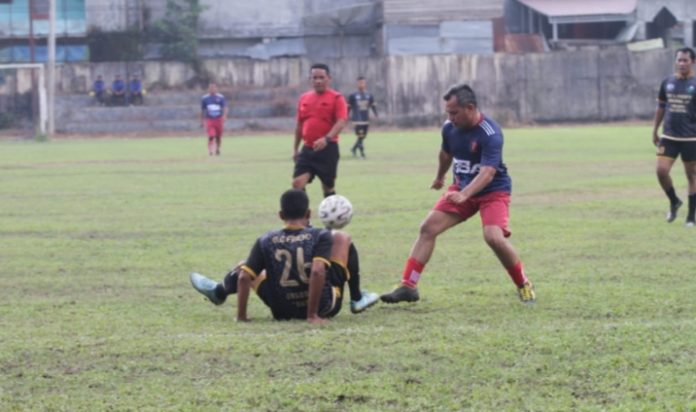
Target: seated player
<point x="135" y="90"/>
<point x="99" y="90"/>
<point x="299" y="271"/>
<point x="118" y="91"/>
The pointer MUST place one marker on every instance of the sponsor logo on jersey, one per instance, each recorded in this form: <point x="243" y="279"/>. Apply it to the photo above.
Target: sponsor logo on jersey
<point x="465" y="167"/>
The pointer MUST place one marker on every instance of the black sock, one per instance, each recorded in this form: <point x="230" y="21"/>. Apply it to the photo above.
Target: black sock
<point x="331" y="193"/>
<point x="692" y="208"/>
<point x="354" y="269"/>
<point x="673" y="199"/>
<point x="228" y="285"/>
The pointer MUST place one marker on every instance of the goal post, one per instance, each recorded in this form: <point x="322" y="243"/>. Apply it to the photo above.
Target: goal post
<point x="12" y="76"/>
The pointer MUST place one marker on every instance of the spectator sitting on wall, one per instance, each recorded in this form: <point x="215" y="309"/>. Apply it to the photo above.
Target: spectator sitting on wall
<point x="99" y="90"/>
<point x="118" y="91"/>
<point x="135" y="89"/>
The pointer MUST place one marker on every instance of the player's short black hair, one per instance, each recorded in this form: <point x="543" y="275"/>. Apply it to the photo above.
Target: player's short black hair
<point x="687" y="50"/>
<point x="321" y="66"/>
<point x="464" y="93"/>
<point x="360" y="78"/>
<point x="294" y="204"/>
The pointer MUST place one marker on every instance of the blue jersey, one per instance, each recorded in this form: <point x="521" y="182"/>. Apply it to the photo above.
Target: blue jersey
<point x="136" y="86"/>
<point x="472" y="148"/>
<point x="99" y="86"/>
<point x="118" y="86"/>
<point x="213" y="105"/>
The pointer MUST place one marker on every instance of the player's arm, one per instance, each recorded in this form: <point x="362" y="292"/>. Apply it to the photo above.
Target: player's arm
<point x="248" y="272"/>
<point x="243" y="289"/>
<point x="298" y="139"/>
<point x="373" y="106"/>
<point x="316" y="284"/>
<point x="351" y="103"/>
<point x="483" y="178"/>
<point x="201" y="114"/>
<point x="659" y="112"/>
<point x="444" y="163"/>
<point x="341" y="117"/>
<point x="225" y="110"/>
<point x="659" y="116"/>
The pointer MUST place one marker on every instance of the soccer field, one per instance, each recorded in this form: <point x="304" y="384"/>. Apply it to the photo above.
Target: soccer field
<point x="97" y="238"/>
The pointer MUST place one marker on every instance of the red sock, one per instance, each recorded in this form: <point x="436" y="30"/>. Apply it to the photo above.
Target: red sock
<point x="412" y="272"/>
<point x="211" y="145"/>
<point x="517" y="275"/>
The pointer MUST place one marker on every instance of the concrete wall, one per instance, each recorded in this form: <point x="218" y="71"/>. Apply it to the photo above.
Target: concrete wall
<point x="524" y="88"/>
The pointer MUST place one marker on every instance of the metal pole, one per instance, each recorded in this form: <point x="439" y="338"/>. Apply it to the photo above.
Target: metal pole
<point x="51" y="65"/>
<point x="31" y="32"/>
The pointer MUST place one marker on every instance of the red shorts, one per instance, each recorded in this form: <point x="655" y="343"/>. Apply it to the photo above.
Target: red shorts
<point x="214" y="127"/>
<point x="494" y="208"/>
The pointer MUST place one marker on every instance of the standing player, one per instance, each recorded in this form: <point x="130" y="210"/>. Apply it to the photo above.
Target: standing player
<point x="677" y="107"/>
<point x="321" y="115"/>
<point x="359" y="105"/>
<point x="298" y="272"/>
<point x="212" y="117"/>
<point x="481" y="184"/>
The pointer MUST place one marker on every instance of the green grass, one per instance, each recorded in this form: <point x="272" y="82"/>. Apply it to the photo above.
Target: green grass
<point x="97" y="238"/>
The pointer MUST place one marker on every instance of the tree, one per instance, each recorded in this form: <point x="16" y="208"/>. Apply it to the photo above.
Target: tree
<point x="178" y="31"/>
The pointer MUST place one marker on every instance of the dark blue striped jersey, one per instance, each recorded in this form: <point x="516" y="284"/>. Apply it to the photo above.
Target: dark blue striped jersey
<point x="287" y="256"/>
<point x="359" y="105"/>
<point x="213" y="105"/>
<point x="472" y="148"/>
<point x="678" y="97"/>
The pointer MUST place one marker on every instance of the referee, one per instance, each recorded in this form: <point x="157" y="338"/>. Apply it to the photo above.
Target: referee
<point x="321" y="115"/>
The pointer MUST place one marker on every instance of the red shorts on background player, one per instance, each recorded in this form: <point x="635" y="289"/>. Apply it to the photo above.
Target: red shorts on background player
<point x="213" y="115"/>
<point x="473" y="145"/>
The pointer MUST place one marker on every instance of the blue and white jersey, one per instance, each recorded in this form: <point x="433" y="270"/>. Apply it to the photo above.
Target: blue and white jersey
<point x="213" y="105"/>
<point x="472" y="148"/>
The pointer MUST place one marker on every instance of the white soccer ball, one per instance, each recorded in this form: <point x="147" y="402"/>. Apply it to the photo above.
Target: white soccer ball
<point x="335" y="211"/>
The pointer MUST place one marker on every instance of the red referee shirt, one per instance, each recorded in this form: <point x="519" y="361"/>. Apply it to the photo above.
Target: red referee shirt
<point x="319" y="112"/>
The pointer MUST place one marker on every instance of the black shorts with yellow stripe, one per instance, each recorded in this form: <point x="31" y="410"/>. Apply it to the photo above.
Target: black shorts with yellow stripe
<point x="285" y="305"/>
<point x="673" y="148"/>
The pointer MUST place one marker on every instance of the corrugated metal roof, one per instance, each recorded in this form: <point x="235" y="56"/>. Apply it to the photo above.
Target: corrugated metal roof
<point x="566" y="8"/>
<point x="436" y="11"/>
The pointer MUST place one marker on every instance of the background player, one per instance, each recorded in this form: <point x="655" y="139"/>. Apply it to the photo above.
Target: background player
<point x="212" y="117"/>
<point x="99" y="90"/>
<point x="298" y="271"/>
<point x="359" y="105"/>
<point x="118" y="91"/>
<point x="677" y="107"/>
<point x="135" y="90"/>
<point x="321" y="115"/>
<point x="481" y="184"/>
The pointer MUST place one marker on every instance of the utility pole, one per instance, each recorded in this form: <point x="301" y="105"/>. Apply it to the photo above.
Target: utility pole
<point x="51" y="65"/>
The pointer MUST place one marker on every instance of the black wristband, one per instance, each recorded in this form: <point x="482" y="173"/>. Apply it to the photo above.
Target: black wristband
<point x="328" y="139"/>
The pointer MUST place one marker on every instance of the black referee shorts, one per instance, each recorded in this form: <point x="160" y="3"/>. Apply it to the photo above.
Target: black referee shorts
<point x="322" y="163"/>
